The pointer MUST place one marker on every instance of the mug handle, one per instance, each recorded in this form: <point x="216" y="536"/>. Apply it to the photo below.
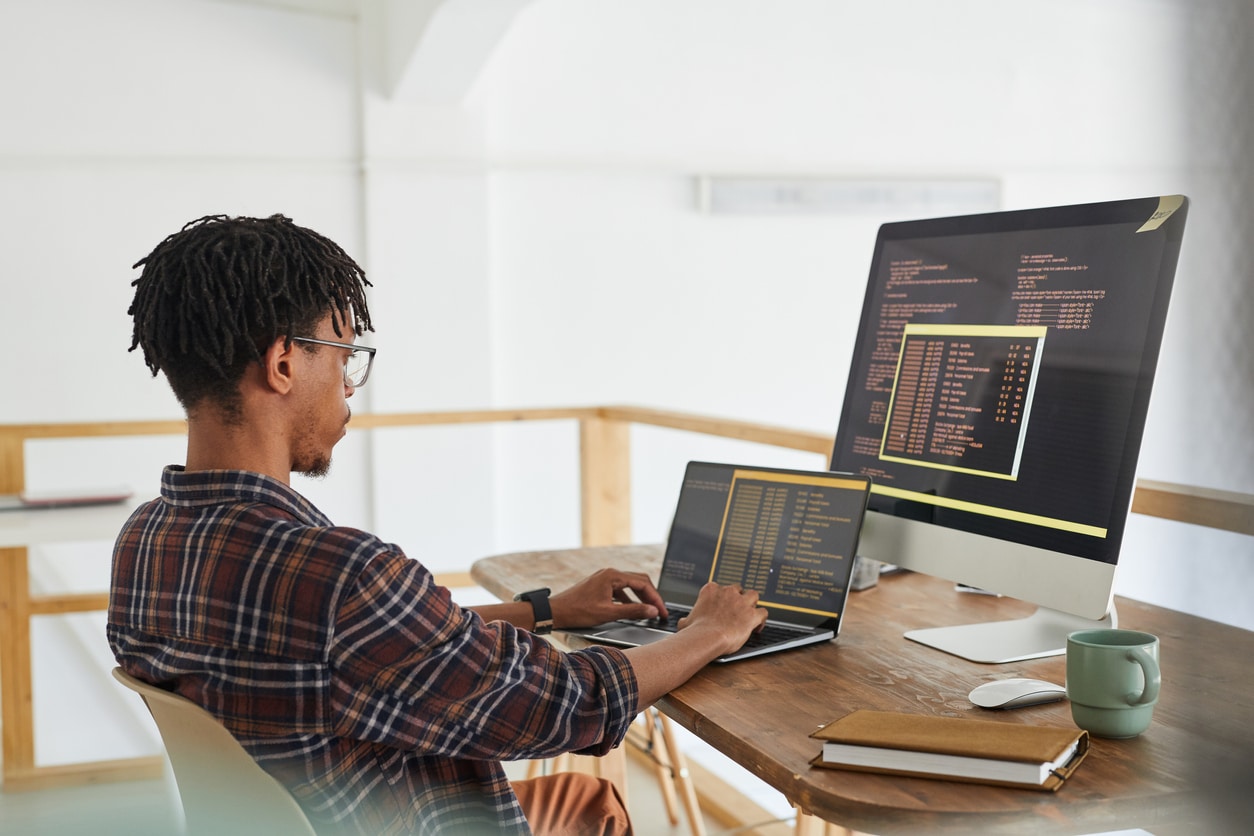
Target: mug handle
<point x="1153" y="676"/>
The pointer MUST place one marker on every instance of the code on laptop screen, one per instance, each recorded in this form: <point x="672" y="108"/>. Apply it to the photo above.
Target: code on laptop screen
<point x="789" y="535"/>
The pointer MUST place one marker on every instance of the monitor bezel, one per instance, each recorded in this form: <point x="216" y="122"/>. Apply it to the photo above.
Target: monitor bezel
<point x="967" y="553"/>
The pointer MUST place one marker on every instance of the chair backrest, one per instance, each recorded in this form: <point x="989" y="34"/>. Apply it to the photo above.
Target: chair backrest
<point x="223" y="789"/>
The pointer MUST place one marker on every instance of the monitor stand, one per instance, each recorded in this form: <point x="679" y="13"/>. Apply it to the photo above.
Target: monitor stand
<point x="1043" y="633"/>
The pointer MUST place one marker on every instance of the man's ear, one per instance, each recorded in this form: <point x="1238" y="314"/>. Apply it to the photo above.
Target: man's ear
<point x="278" y="365"/>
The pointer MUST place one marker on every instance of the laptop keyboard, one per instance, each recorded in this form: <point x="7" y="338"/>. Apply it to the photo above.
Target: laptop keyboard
<point x="773" y="634"/>
<point x="769" y="634"/>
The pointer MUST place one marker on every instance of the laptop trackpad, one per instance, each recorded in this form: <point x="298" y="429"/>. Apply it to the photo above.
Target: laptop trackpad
<point x="630" y="634"/>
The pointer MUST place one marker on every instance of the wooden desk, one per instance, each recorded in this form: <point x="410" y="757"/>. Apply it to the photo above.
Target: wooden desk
<point x="1190" y="773"/>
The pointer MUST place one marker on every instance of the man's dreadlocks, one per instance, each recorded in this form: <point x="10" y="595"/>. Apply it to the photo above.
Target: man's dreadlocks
<point x="215" y="295"/>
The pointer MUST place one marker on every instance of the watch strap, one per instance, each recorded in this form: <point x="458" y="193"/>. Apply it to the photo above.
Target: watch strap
<point x="540" y="609"/>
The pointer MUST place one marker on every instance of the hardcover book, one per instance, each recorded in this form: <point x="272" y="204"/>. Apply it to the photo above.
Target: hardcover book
<point x="954" y="748"/>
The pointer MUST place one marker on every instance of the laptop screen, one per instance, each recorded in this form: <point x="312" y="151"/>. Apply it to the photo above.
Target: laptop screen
<point x="791" y="535"/>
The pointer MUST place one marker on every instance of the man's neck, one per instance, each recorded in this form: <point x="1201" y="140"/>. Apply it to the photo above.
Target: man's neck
<point x="216" y="445"/>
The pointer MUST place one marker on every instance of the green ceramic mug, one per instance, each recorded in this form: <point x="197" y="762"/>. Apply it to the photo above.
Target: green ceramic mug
<point x="1113" y="679"/>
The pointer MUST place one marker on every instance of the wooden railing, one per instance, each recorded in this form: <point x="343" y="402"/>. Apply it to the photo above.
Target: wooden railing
<point x="605" y="496"/>
<point x="605" y="461"/>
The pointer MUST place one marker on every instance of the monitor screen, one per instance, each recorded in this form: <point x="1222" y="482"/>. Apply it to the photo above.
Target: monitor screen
<point x="999" y="384"/>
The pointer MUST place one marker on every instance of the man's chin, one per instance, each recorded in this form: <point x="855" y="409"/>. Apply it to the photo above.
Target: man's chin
<point x="317" y="469"/>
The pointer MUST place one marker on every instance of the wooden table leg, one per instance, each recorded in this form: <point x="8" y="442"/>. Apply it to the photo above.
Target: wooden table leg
<point x="682" y="779"/>
<point x="655" y="746"/>
<point x="808" y="825"/>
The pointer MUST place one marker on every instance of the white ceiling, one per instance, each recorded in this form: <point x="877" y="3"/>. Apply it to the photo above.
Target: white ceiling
<point x="432" y="51"/>
<point x="338" y="8"/>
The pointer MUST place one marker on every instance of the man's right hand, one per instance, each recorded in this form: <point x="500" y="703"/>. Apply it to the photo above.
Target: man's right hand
<point x="727" y="610"/>
<point x="721" y="620"/>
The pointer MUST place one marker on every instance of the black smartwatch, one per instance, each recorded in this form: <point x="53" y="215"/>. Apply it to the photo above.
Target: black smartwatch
<point x="539" y="600"/>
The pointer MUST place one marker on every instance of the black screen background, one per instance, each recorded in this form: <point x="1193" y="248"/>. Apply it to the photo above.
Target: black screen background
<point x="1084" y="429"/>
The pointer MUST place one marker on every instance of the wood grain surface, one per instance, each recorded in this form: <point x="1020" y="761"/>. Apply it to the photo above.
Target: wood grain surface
<point x="1189" y="773"/>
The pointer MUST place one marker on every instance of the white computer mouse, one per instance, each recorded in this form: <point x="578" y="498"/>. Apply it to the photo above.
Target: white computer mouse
<point x="1016" y="693"/>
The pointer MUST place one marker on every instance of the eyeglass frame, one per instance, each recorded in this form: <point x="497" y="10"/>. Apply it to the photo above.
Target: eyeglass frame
<point x="353" y="348"/>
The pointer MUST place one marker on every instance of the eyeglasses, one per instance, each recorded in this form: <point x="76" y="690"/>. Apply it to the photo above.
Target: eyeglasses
<point x="356" y="365"/>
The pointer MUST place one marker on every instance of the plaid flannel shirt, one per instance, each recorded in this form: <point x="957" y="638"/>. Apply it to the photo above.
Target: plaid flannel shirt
<point x="341" y="666"/>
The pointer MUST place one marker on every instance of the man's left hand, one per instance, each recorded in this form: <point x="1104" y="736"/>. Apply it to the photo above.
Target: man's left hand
<point x="605" y="596"/>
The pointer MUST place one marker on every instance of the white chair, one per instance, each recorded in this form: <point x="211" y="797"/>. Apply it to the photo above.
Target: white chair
<point x="223" y="789"/>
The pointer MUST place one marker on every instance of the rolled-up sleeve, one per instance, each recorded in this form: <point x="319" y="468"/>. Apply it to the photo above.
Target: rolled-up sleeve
<point x="413" y="670"/>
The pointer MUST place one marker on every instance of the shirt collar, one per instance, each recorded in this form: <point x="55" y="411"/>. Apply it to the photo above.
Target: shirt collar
<point x="217" y="487"/>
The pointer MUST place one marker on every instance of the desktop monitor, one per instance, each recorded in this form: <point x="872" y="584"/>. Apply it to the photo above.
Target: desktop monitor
<point x="997" y="395"/>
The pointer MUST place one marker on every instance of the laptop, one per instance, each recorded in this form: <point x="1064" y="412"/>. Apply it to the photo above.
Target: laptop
<point x="789" y="534"/>
<point x="64" y="499"/>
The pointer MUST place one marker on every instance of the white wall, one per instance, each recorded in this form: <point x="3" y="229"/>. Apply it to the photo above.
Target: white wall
<point x="122" y="121"/>
<point x="601" y="114"/>
<point x="541" y="244"/>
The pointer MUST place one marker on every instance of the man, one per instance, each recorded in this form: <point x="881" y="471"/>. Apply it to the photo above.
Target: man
<point x="335" y="659"/>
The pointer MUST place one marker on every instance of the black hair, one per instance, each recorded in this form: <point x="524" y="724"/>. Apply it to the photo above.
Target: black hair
<point x="215" y="295"/>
